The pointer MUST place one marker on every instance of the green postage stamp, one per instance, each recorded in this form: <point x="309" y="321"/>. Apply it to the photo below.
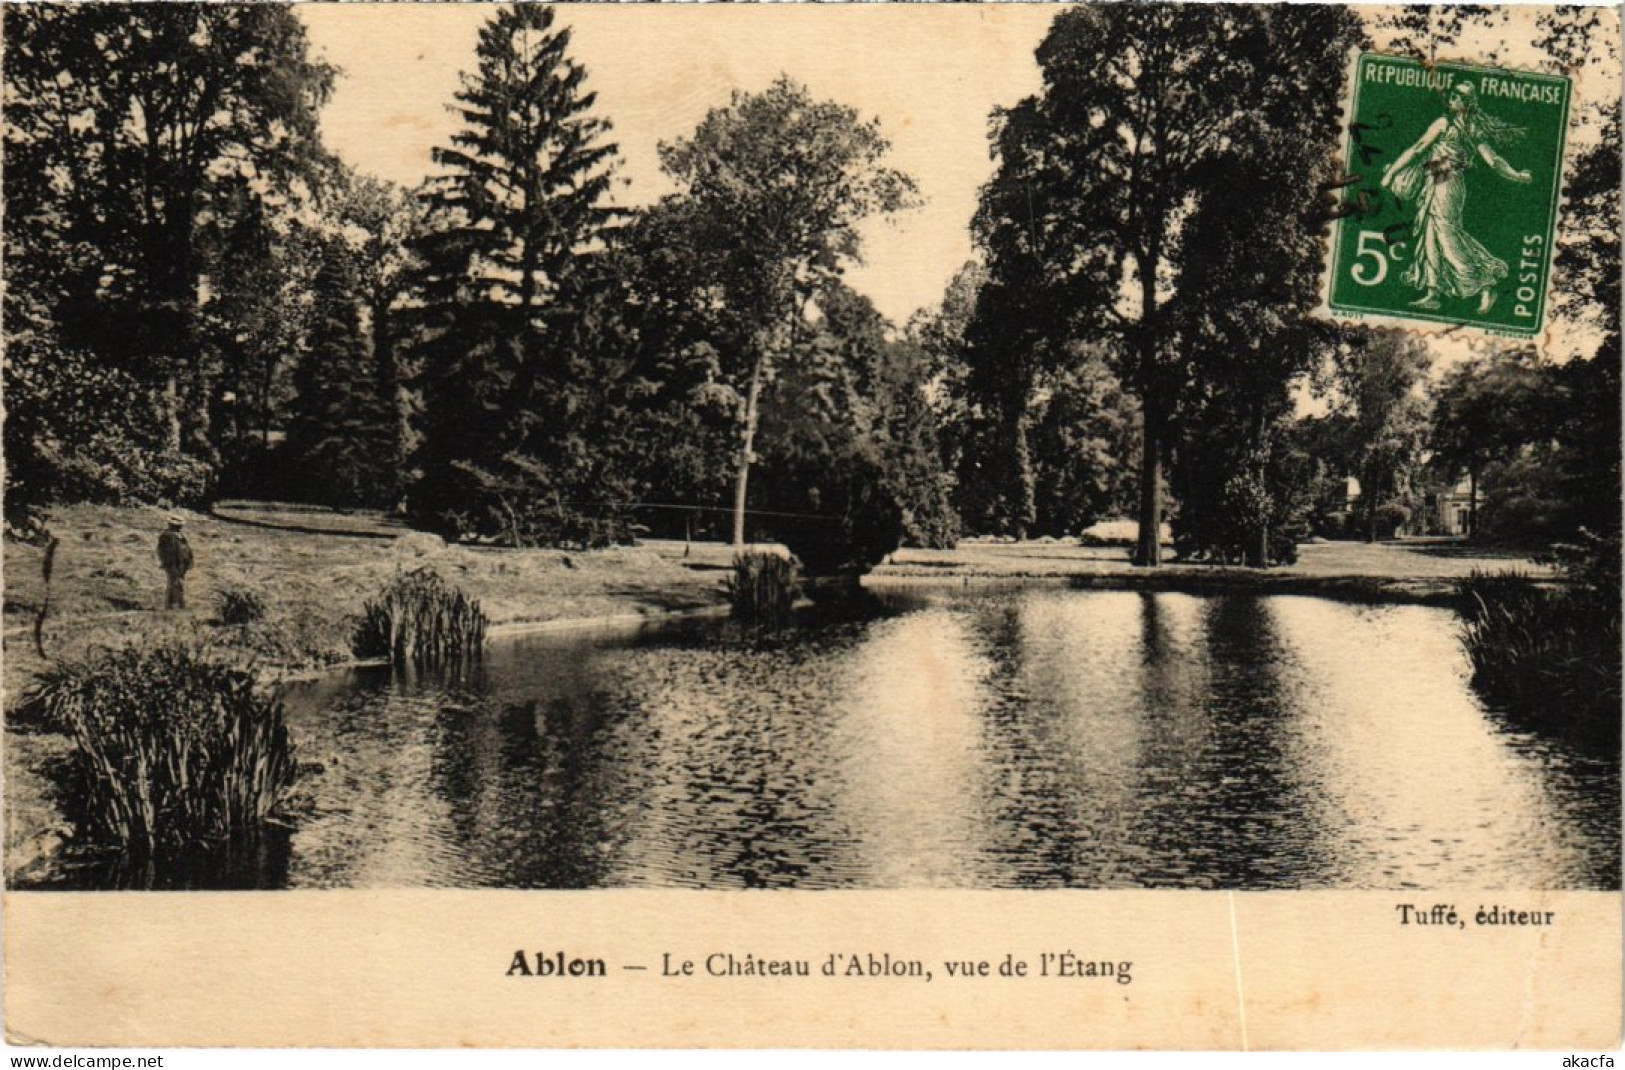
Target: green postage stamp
<point x="1450" y="201"/>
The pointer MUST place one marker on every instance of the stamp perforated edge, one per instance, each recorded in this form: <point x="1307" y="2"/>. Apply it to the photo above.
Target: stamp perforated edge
<point x="1538" y="335"/>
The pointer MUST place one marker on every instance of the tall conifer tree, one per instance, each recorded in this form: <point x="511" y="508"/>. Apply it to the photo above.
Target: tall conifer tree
<point x="338" y="432"/>
<point x="513" y="218"/>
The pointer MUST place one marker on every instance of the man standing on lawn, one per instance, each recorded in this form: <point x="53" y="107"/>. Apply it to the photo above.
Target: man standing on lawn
<point x="175" y="555"/>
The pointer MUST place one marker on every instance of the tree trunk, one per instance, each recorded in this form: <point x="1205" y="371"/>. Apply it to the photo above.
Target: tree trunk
<point x="393" y="408"/>
<point x="200" y="431"/>
<point x="1262" y="549"/>
<point x="172" y="414"/>
<point x="746" y="440"/>
<point x="1472" y="502"/>
<point x="1148" y="548"/>
<point x="269" y="369"/>
<point x="1025" y="507"/>
<point x="188" y="382"/>
<point x="1370" y="511"/>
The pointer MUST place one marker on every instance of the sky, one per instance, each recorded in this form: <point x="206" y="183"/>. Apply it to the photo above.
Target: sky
<point x="658" y="69"/>
<point x="931" y="73"/>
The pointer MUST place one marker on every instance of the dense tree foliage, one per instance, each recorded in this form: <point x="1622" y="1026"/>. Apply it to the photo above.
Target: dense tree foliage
<point x="1484" y="412"/>
<point x="825" y="490"/>
<point x="1158" y="193"/>
<point x="338" y="437"/>
<point x="1012" y="339"/>
<point x="200" y="301"/>
<point x="1588" y="278"/>
<point x="887" y="405"/>
<point x="1036" y="439"/>
<point x="1085" y="448"/>
<point x="135" y="136"/>
<point x="378" y="222"/>
<point x="774" y="186"/>
<point x="268" y="327"/>
<point x="938" y="333"/>
<point x="673" y="351"/>
<point x="1380" y="378"/>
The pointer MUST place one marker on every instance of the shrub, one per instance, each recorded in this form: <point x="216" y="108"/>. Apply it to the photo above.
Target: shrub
<point x="866" y="525"/>
<point x="172" y="752"/>
<point x="1549" y="657"/>
<point x="421" y="619"/>
<point x="762" y="589"/>
<point x="1593" y="565"/>
<point x="835" y="512"/>
<point x="239" y="605"/>
<point x="80" y="430"/>
<point x="1334" y="524"/>
<point x="1391" y="516"/>
<point x="1248" y="517"/>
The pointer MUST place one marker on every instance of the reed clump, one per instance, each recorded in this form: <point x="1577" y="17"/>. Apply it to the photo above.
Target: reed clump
<point x="762" y="590"/>
<point x="239" y="605"/>
<point x="173" y="751"/>
<point x="1548" y="656"/>
<point x="422" y="620"/>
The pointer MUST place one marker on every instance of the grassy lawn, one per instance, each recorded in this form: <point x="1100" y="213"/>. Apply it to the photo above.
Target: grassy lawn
<point x="314" y="569"/>
<point x="1406" y="570"/>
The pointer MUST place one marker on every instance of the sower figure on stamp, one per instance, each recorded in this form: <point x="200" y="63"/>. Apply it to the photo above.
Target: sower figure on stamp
<point x="175" y="555"/>
<point x="1448" y="261"/>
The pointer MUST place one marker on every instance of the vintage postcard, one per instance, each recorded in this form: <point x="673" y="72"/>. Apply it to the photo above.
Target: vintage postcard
<point x="836" y="526"/>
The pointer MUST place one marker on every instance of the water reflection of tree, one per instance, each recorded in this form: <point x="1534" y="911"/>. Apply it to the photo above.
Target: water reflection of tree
<point x="1145" y="737"/>
<point x="371" y="822"/>
<point x="764" y="841"/>
<point x="527" y="786"/>
<point x="1253" y="824"/>
<point x="1172" y="845"/>
<point x="684" y="759"/>
<point x="912" y="748"/>
<point x="1025" y="746"/>
<point x="750" y="786"/>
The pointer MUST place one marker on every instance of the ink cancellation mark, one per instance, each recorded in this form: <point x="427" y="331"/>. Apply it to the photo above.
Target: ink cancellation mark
<point x="1451" y="193"/>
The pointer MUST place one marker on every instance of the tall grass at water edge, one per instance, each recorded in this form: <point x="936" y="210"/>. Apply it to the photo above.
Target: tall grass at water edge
<point x="762" y="589"/>
<point x="1549" y="656"/>
<point x="422" y="620"/>
<point x="173" y="752"/>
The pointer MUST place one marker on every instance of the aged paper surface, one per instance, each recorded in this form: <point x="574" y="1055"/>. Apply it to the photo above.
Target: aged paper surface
<point x="1321" y="970"/>
<point x="380" y="959"/>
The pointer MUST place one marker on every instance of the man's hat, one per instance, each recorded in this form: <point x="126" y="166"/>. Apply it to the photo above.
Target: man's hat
<point x="176" y="520"/>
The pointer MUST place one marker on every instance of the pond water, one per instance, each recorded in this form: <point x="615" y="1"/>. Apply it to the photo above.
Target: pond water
<point x="975" y="738"/>
<point x="968" y="738"/>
